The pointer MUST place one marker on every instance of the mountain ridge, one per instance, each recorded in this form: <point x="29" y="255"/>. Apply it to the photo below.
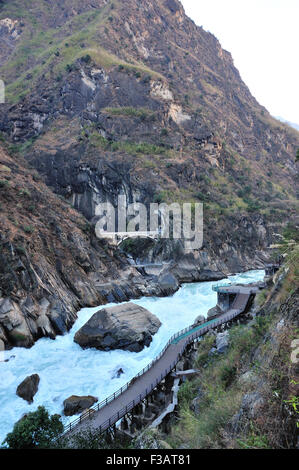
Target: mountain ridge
<point x="107" y="98"/>
<point x="289" y="123"/>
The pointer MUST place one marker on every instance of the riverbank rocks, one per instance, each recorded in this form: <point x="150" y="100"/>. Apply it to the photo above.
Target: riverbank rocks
<point x="117" y="373"/>
<point x="128" y="326"/>
<point x="215" y="311"/>
<point x="75" y="404"/>
<point x="199" y="319"/>
<point x="168" y="283"/>
<point x="221" y="344"/>
<point x="28" y="388"/>
<point x="13" y="322"/>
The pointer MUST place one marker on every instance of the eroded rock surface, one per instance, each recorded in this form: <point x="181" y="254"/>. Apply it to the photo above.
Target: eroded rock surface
<point x="128" y="326"/>
<point x="28" y="388"/>
<point x="82" y="129"/>
<point x="222" y="342"/>
<point x="75" y="404"/>
<point x="215" y="311"/>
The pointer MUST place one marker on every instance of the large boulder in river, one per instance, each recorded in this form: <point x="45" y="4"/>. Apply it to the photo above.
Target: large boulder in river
<point x="74" y="404"/>
<point x="28" y="388"/>
<point x="222" y="342"/>
<point x="127" y="326"/>
<point x="168" y="283"/>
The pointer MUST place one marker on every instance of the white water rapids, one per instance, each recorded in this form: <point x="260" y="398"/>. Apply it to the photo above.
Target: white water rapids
<point x="65" y="369"/>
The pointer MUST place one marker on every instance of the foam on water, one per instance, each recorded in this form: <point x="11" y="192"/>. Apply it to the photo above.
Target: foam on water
<point x="65" y="369"/>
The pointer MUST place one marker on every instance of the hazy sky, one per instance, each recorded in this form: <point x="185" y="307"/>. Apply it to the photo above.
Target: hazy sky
<point x="263" y="38"/>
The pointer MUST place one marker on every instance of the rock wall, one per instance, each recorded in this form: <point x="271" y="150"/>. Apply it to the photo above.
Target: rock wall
<point x="149" y="106"/>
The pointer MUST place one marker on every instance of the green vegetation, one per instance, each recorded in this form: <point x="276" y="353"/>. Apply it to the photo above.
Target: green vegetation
<point x="4" y="184"/>
<point x="291" y="281"/>
<point x="5" y="169"/>
<point x="90" y="440"/>
<point x="202" y="196"/>
<point x="261" y="297"/>
<point x="25" y="192"/>
<point x="167" y="196"/>
<point x="20" y="250"/>
<point x="35" y="430"/>
<point x="31" y="208"/>
<point x="141" y="113"/>
<point x="254" y="440"/>
<point x="220" y="392"/>
<point x="28" y="229"/>
<point x="291" y="232"/>
<point x="21" y="147"/>
<point x="131" y="148"/>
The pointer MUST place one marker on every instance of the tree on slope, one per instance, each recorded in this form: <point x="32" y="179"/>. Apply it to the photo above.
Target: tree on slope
<point x="35" y="430"/>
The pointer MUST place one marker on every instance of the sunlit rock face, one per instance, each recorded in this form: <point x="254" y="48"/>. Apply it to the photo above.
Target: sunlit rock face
<point x="135" y="100"/>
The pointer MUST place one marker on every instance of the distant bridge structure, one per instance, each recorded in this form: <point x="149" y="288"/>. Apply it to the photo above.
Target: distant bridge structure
<point x="118" y="237"/>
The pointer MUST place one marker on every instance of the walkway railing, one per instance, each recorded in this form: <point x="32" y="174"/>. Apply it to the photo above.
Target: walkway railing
<point x="120" y="391"/>
<point x="197" y="332"/>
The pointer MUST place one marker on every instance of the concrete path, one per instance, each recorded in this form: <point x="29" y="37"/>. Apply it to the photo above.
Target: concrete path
<point x="104" y="415"/>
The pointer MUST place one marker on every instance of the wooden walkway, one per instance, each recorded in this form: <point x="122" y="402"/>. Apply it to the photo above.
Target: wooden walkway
<point x="105" y="414"/>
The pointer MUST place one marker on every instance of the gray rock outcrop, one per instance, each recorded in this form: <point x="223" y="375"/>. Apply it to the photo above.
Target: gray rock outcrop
<point x="168" y="283"/>
<point x="75" y="404"/>
<point x="222" y="342"/>
<point x="250" y="408"/>
<point x="127" y="326"/>
<point x="199" y="319"/>
<point x="249" y="379"/>
<point x="215" y="311"/>
<point x="28" y="388"/>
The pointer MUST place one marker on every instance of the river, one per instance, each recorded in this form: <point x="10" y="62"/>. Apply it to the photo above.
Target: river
<point x="65" y="369"/>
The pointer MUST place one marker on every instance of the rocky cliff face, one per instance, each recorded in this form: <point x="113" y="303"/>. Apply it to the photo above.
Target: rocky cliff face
<point x="134" y="99"/>
<point x="51" y="263"/>
<point x="127" y="326"/>
<point x="108" y="97"/>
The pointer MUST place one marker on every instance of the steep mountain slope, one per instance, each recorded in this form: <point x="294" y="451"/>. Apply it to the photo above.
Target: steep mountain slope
<point x="108" y="97"/>
<point x="51" y="263"/>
